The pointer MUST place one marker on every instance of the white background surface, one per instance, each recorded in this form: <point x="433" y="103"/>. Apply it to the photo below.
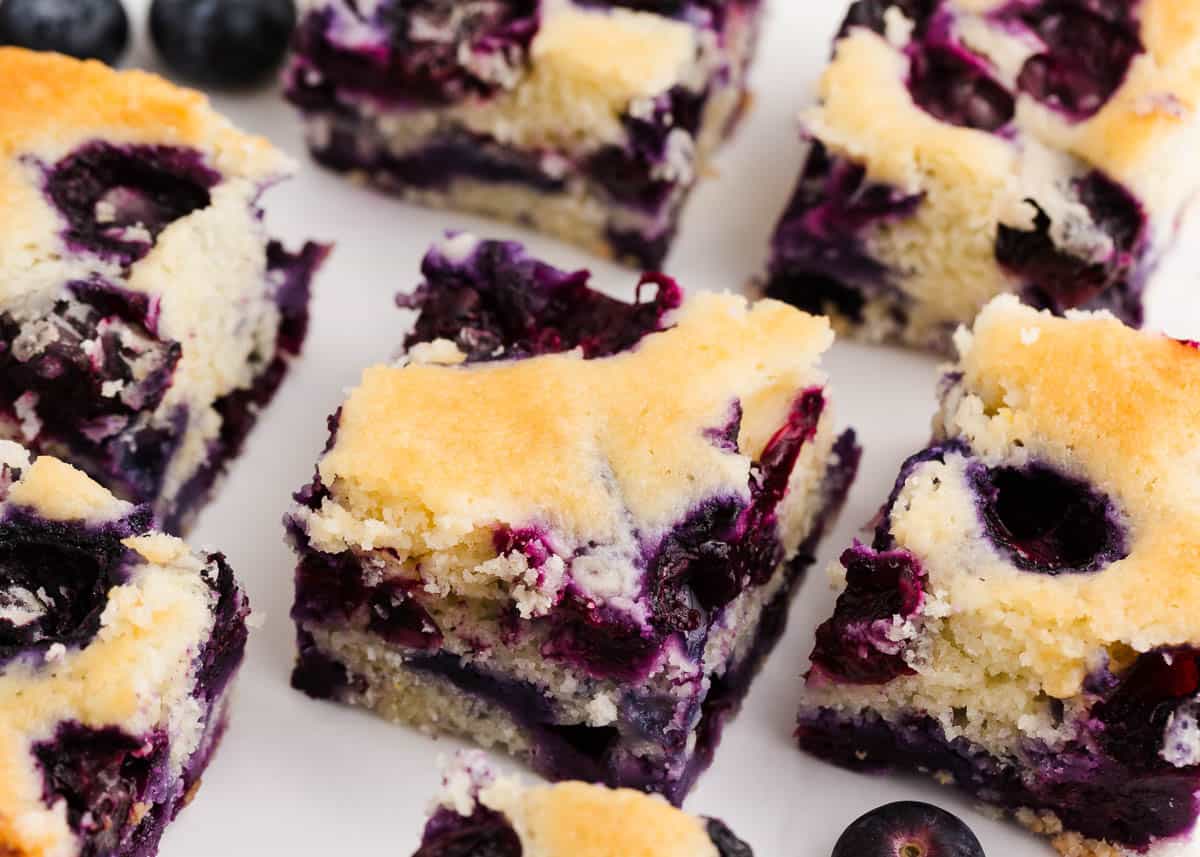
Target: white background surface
<point x="302" y="778"/>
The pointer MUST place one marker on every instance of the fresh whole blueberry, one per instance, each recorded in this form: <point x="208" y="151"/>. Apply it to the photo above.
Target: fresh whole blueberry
<point x="908" y="829"/>
<point x="86" y="29"/>
<point x="226" y="43"/>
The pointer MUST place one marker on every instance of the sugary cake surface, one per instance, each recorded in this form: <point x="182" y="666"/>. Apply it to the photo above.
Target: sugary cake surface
<point x="157" y="615"/>
<point x="585" y="446"/>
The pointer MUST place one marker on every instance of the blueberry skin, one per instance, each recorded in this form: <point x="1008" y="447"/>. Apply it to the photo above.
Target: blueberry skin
<point x="908" y="829"/>
<point x="85" y="29"/>
<point x="222" y="43"/>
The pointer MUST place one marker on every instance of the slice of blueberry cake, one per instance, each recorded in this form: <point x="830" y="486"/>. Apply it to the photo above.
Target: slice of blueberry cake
<point x="1037" y="147"/>
<point x="479" y="814"/>
<point x="118" y="645"/>
<point x="1026" y="622"/>
<point x="564" y="524"/>
<point x="589" y="119"/>
<point x="145" y="315"/>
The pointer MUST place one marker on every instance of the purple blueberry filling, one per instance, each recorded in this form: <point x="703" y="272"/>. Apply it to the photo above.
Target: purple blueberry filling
<point x="955" y="86"/>
<point x="1089" y="46"/>
<point x="101" y="775"/>
<point x="117" y="788"/>
<point x="96" y="368"/>
<point x="55" y="578"/>
<point x="1046" y="521"/>
<point x="1057" y="280"/>
<point x="116" y="200"/>
<point x="1111" y="783"/>
<point x="818" y="257"/>
<point x="858" y="644"/>
<point x="417" y="58"/>
<point x="502" y="304"/>
<point x="486" y="833"/>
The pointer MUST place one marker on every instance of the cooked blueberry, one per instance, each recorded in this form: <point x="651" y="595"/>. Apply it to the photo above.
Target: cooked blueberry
<point x="100" y="774"/>
<point x="819" y="258"/>
<point x="1089" y="47"/>
<point x="117" y="199"/>
<point x="484" y="834"/>
<point x="1135" y="715"/>
<point x="727" y="844"/>
<point x="54" y="583"/>
<point x="908" y="829"/>
<point x="956" y="89"/>
<point x="1047" y="521"/>
<point x="858" y="644"/>
<point x="502" y="304"/>
<point x="87" y="29"/>
<point x="1059" y="281"/>
<point x="229" y="43"/>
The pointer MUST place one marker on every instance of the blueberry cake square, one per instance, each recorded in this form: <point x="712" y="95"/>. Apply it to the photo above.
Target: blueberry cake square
<point x="588" y="119"/>
<point x="480" y="813"/>
<point x="564" y="524"/>
<point x="145" y="315"/>
<point x="118" y="645"/>
<point x="1024" y="624"/>
<point x="1037" y="147"/>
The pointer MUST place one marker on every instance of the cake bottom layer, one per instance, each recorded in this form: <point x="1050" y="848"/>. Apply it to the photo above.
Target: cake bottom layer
<point x="647" y="743"/>
<point x="1088" y="803"/>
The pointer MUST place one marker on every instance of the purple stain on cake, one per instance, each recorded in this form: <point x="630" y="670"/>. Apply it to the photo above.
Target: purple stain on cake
<point x="117" y="199"/>
<point x="416" y="56"/>
<point x="55" y="578"/>
<point x="499" y="303"/>
<point x="1046" y="521"/>
<point x="864" y="642"/>
<point x="1088" y="47"/>
<point x="1058" y="280"/>
<point x="819" y="258"/>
